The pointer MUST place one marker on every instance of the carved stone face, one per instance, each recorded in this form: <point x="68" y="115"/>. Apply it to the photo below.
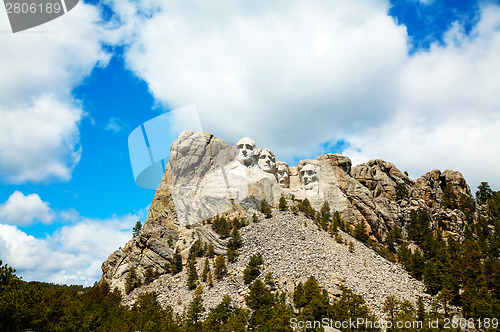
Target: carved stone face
<point x="246" y="151"/>
<point x="266" y="161"/>
<point x="283" y="173"/>
<point x="308" y="176"/>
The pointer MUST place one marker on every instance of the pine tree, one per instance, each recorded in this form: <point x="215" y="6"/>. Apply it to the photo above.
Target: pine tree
<point x="192" y="274"/>
<point x="211" y="251"/>
<point x="210" y="279"/>
<point x="131" y="280"/>
<point x="282" y="205"/>
<point x="252" y="270"/>
<point x="265" y="209"/>
<point x="484" y="193"/>
<point x="360" y="232"/>
<point x="391" y="307"/>
<point x="220" y="268"/>
<point x="194" y="311"/>
<point x="206" y="269"/>
<point x="176" y="265"/>
<point x="137" y="228"/>
<point x="351" y="246"/>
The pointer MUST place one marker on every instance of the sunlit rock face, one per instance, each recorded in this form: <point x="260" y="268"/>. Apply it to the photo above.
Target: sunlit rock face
<point x="205" y="177"/>
<point x="267" y="162"/>
<point x="283" y="174"/>
<point x="247" y="151"/>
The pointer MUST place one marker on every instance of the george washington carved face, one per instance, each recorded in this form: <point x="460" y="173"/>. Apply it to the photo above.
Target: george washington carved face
<point x="308" y="176"/>
<point x="246" y="151"/>
<point x="266" y="161"/>
<point x="283" y="173"/>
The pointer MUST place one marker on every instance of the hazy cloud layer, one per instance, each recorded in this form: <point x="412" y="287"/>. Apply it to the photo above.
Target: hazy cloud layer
<point x="293" y="75"/>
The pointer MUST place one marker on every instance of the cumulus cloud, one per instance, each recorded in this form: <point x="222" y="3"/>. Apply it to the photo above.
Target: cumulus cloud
<point x="71" y="255"/>
<point x="39" y="136"/>
<point x="40" y="141"/>
<point x="24" y="210"/>
<point x="288" y="74"/>
<point x="448" y="115"/>
<point x="293" y="75"/>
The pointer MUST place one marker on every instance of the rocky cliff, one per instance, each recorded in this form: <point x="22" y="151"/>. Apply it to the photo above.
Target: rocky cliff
<point x="205" y="177"/>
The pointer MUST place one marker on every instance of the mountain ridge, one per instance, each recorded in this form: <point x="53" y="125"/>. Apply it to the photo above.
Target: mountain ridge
<point x="206" y="177"/>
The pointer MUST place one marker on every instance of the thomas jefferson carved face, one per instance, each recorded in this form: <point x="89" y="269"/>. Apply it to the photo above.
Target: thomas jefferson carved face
<point x="308" y="176"/>
<point x="266" y="161"/>
<point x="283" y="173"/>
<point x="246" y="151"/>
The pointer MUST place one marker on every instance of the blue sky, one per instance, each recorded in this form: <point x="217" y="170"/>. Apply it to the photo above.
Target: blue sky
<point x="412" y="82"/>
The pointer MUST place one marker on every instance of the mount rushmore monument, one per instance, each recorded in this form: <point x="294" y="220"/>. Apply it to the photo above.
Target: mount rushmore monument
<point x="242" y="173"/>
<point x="206" y="177"/>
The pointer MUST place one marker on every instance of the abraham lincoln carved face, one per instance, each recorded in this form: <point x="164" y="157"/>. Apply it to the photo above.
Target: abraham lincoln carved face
<point x="283" y="173"/>
<point x="308" y="176"/>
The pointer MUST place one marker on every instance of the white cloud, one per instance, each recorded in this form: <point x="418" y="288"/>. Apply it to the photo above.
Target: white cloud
<point x="39" y="142"/>
<point x="116" y="125"/>
<point x="25" y="210"/>
<point x="295" y="74"/>
<point x="273" y="70"/>
<point x="72" y="255"/>
<point x="449" y="111"/>
<point x="39" y="136"/>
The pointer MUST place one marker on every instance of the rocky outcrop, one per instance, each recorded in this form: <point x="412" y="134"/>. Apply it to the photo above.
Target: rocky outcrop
<point x="206" y="177"/>
<point x="293" y="249"/>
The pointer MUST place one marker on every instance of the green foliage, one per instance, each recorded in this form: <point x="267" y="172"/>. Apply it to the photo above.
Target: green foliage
<point x="266" y="209"/>
<point x="484" y="193"/>
<point x="390" y="308"/>
<point x="192" y="273"/>
<point x="194" y="311"/>
<point x="197" y="249"/>
<point x="255" y="218"/>
<point x="226" y="317"/>
<point x="401" y="191"/>
<point x="282" y="205"/>
<point x="137" y="228"/>
<point x="150" y="275"/>
<point x="360" y="232"/>
<point x="131" y="282"/>
<point x="220" y="269"/>
<point x="294" y="210"/>
<point x="351" y="246"/>
<point x="211" y="251"/>
<point x="231" y="255"/>
<point x="252" y="270"/>
<point x="394" y="236"/>
<point x="176" y="265"/>
<point x="325" y="216"/>
<point x="235" y="242"/>
<point x="221" y="226"/>
<point x="449" y="200"/>
<point x="305" y="207"/>
<point x="206" y="269"/>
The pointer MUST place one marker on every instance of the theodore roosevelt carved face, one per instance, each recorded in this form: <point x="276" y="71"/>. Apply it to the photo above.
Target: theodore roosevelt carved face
<point x="266" y="161"/>
<point x="246" y="151"/>
<point x="283" y="173"/>
<point x="308" y="176"/>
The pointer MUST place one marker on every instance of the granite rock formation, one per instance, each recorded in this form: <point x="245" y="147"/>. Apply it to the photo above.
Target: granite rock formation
<point x="206" y="177"/>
